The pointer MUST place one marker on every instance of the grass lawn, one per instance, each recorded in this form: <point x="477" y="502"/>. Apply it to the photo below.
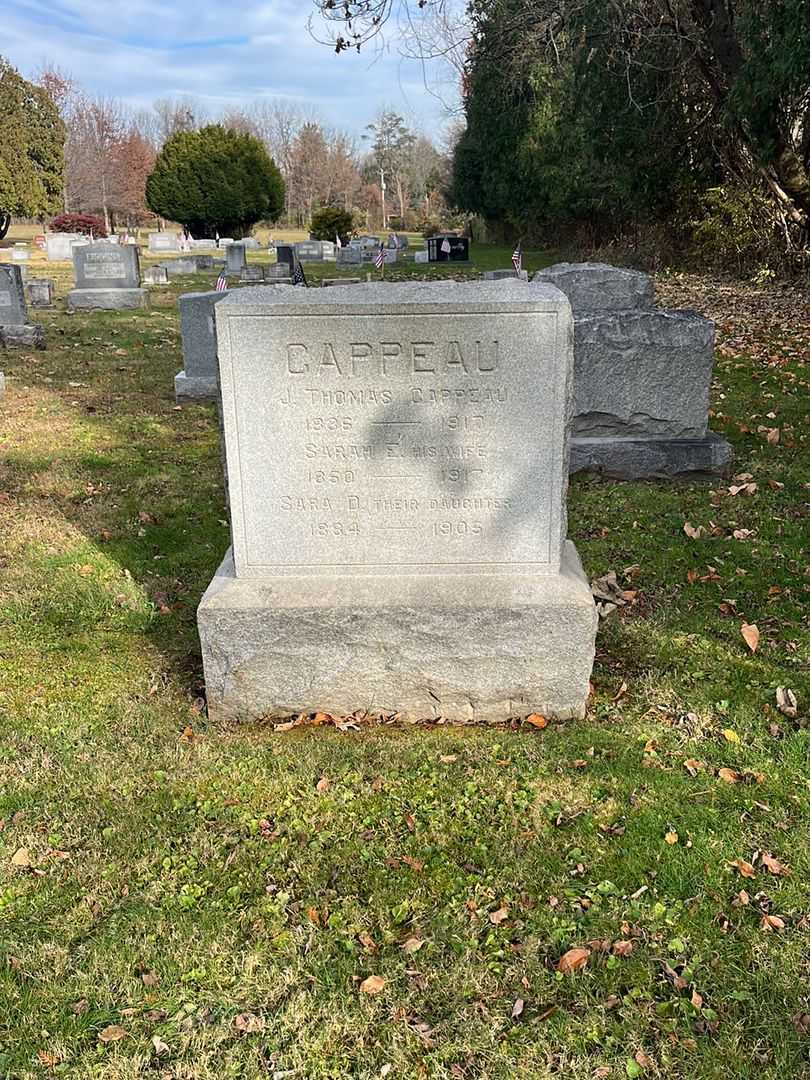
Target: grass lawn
<point x="179" y="900"/>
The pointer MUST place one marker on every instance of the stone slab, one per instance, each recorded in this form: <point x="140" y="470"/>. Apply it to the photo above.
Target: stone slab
<point x="106" y="266"/>
<point x="408" y="427"/>
<point x="235" y="257"/>
<point x="40" y="292"/>
<point x="664" y="459"/>
<point x="13" y="310"/>
<point x="253" y="273"/>
<point x="107" y="299"/>
<point x="327" y="282"/>
<point x="156" y="275"/>
<point x="188" y="264"/>
<point x="599" y="286"/>
<point x="349" y="256"/>
<point x="164" y="241"/>
<point x="26" y="336"/>
<point x="500" y="275"/>
<point x="642" y="374"/>
<point x="194" y="388"/>
<point x="463" y="648"/>
<point x="59" y="246"/>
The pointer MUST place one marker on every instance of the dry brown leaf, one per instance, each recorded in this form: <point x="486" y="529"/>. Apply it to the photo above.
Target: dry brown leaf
<point x="750" y="634"/>
<point x="499" y="916"/>
<point x="642" y="1060"/>
<point x="160" y="1047"/>
<point x="573" y="960"/>
<point x="113" y="1033"/>
<point x="692" y="532"/>
<point x="517" y="1008"/>
<point x="622" y="948"/>
<point x="415" y="864"/>
<point x="413" y="945"/>
<point x="537" y="721"/>
<point x="47" y="1059"/>
<point x="772" y="865"/>
<point x="314" y="916"/>
<point x="786" y="702"/>
<point x="323" y="784"/>
<point x="149" y="979"/>
<point x="745" y="868"/>
<point x="373" y="984"/>
<point x="367" y="941"/>
<point x="21" y="857"/>
<point x="248" y="1023"/>
<point x="772" y="922"/>
<point x="671" y="837"/>
<point x="692" y="766"/>
<point x="729" y="776"/>
<point x="697" y="1000"/>
<point x="448" y="759"/>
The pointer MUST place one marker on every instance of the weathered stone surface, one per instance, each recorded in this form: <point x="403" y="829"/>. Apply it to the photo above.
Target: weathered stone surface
<point x="13" y="311"/>
<point x="329" y="281"/>
<point x="273" y="271"/>
<point x="310" y="251"/>
<point x="466" y="648"/>
<point x="500" y="275"/>
<point x="421" y="256"/>
<point x="235" y="257"/>
<point x="252" y="273"/>
<point x="59" y="246"/>
<point x="204" y="245"/>
<point x="396" y="460"/>
<point x="107" y="299"/>
<point x="599" y="287"/>
<point x="250" y="242"/>
<point x="349" y="256"/>
<point x="106" y="266"/>
<point x="198" y="380"/>
<point x="40" y="292"/>
<point x="664" y="459"/>
<point x="156" y="275"/>
<point x="188" y="264"/>
<point x="285" y="254"/>
<point x="164" y="241"/>
<point x="642" y="374"/>
<point x="22" y="336"/>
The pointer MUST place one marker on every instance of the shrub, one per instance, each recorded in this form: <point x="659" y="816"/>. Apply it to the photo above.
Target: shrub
<point x="329" y="222"/>
<point x="736" y="227"/>
<point x="87" y="224"/>
<point x="215" y="180"/>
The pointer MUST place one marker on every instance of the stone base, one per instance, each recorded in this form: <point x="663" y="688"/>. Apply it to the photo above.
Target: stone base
<point x="465" y="648"/>
<point x="23" y="336"/>
<point x="194" y="388"/>
<point x="107" y="299"/>
<point x="638" y="459"/>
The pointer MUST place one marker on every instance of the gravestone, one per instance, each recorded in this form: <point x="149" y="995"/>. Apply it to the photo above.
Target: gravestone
<point x="188" y="264"/>
<point x="40" y="292"/>
<point x="499" y="275"/>
<point x="275" y="271"/>
<point x="235" y="258"/>
<point x="59" y="246"/>
<point x="390" y="255"/>
<point x="250" y="242"/>
<point x="252" y="273"/>
<point x="421" y="256"/>
<point x="448" y="249"/>
<point x="397" y="466"/>
<point x="20" y="254"/>
<point x="107" y="277"/>
<point x="198" y="379"/>
<point x="328" y="249"/>
<point x="225" y="240"/>
<point x="204" y="245"/>
<point x="156" y="275"/>
<point x="349" y="256"/>
<point x="641" y="378"/>
<point x="285" y="253"/>
<point x="164" y="241"/>
<point x="15" y="330"/>
<point x="309" y="251"/>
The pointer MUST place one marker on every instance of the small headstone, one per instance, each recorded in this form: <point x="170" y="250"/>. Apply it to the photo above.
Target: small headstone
<point x="309" y="251"/>
<point x="198" y="379"/>
<point x="15" y="330"/>
<point x="599" y="286"/>
<point x="273" y="271"/>
<point x="421" y="256"/>
<point x="204" y="245"/>
<point x="390" y="255"/>
<point x="59" y="246"/>
<point x="40" y="292"/>
<point x="252" y="273"/>
<point x="448" y="248"/>
<point x="285" y="253"/>
<point x="397" y="478"/>
<point x="224" y="241"/>
<point x="250" y="242"/>
<point x="235" y="258"/>
<point x="327" y="249"/>
<point x="107" y="277"/>
<point x="349" y="256"/>
<point x="188" y="264"/>
<point x="500" y="275"/>
<point x="164" y="241"/>
<point x="156" y="275"/>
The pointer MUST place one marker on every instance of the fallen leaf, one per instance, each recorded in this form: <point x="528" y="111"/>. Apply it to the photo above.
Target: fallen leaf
<point x="773" y="866"/>
<point x="448" y="759"/>
<point x="573" y="960"/>
<point x="367" y="941"/>
<point x="517" y="1008"/>
<point x="323" y="784"/>
<point x="773" y="436"/>
<point x="697" y="1000"/>
<point x="642" y="1060"/>
<point x="671" y="837"/>
<point x="730" y="735"/>
<point x="499" y="916"/>
<point x="415" y="864"/>
<point x="786" y="702"/>
<point x="413" y="945"/>
<point x="729" y="776"/>
<point x="691" y="532"/>
<point x="692" y="766"/>
<point x="145" y="518"/>
<point x="47" y="1059"/>
<point x="113" y="1033"/>
<point x="160" y="1047"/>
<point x="772" y="922"/>
<point x="537" y="721"/>
<point x="321" y="718"/>
<point x="86" y="570"/>
<point x="80" y="1007"/>
<point x="745" y="868"/>
<point x="248" y="1023"/>
<point x="622" y="948"/>
<point x="21" y="857"/>
<point x="148" y="978"/>
<point x="373" y="984"/>
<point x="750" y="634"/>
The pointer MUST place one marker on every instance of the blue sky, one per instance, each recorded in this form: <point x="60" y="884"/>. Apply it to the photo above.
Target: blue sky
<point x="222" y="53"/>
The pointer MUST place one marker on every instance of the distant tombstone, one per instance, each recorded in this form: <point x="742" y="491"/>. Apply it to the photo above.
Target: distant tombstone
<point x="40" y="292"/>
<point x="107" y="277"/>
<point x="204" y="245"/>
<point x="235" y="258"/>
<point x="390" y="255"/>
<point x="252" y="273"/>
<point x="156" y="275"/>
<point x="398" y="241"/>
<point x="112" y="239"/>
<point x="328" y="249"/>
<point x="349" y="256"/>
<point x="198" y="379"/>
<point x="309" y="251"/>
<point x="250" y="242"/>
<point x="285" y="253"/>
<point x="448" y="249"/>
<point x="500" y="275"/>
<point x="421" y="256"/>
<point x="15" y="330"/>
<point x="188" y="264"/>
<point x="368" y="242"/>
<point x="273" y="271"/>
<point x="164" y="241"/>
<point x="20" y="254"/>
<point x="224" y="241"/>
<point x="59" y="246"/>
<point x="412" y="556"/>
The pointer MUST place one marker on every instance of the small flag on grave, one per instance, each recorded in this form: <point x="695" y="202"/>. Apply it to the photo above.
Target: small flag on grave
<point x="379" y="259"/>
<point x="299" y="277"/>
<point x="222" y="283"/>
<point x="445" y="247"/>
<point x="517" y="258"/>
<point x="338" y="243"/>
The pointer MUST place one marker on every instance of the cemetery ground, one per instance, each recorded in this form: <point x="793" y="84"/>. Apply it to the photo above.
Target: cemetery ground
<point x="621" y="896"/>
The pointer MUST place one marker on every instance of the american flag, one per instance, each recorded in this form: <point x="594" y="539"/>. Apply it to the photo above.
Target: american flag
<point x="338" y="243"/>
<point x="517" y="258"/>
<point x="222" y="283"/>
<point x="379" y="259"/>
<point x="299" y="277"/>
